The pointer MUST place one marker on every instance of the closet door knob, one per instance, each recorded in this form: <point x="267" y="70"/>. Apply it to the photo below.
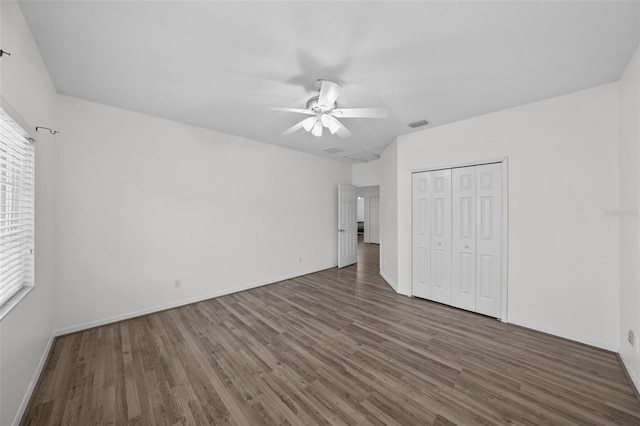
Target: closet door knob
<point x="466" y="246"/>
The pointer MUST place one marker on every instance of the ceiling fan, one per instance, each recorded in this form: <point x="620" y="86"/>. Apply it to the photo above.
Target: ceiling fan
<point x="325" y="112"/>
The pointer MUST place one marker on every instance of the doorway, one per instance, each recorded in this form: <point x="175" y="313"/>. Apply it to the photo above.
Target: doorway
<point x="358" y="221"/>
<point x="368" y="213"/>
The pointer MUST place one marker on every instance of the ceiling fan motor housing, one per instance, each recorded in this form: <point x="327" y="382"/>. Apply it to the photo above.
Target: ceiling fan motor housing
<point x="312" y="105"/>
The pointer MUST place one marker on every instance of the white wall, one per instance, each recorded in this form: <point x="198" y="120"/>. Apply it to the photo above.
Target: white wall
<point x="142" y="201"/>
<point x="26" y="330"/>
<point x="366" y="174"/>
<point x="629" y="222"/>
<point x="563" y="251"/>
<point x="389" y="215"/>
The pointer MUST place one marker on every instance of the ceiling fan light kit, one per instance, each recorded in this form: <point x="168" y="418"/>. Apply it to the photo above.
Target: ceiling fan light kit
<point x="309" y="123"/>
<point x="317" y="128"/>
<point x="324" y="110"/>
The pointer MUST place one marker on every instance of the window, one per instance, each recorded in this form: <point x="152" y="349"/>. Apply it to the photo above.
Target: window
<point x="16" y="212"/>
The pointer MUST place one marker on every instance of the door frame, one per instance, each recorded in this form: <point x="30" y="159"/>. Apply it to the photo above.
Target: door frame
<point x="504" y="161"/>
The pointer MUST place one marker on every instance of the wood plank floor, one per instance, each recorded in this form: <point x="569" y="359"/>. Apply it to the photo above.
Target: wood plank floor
<point x="337" y="347"/>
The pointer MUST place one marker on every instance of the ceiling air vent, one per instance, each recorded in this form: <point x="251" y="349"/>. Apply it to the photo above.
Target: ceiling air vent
<point x="418" y="123"/>
<point x="332" y="150"/>
<point x="361" y="156"/>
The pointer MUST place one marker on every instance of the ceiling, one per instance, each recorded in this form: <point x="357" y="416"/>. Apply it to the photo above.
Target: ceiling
<point x="218" y="64"/>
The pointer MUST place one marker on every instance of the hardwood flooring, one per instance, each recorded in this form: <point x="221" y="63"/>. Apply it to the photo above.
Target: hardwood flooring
<point x="337" y="347"/>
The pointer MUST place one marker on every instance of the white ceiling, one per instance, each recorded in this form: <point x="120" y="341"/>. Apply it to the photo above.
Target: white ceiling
<point x="215" y="64"/>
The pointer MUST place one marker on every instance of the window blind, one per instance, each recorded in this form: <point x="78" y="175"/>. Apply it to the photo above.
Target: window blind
<point x="16" y="208"/>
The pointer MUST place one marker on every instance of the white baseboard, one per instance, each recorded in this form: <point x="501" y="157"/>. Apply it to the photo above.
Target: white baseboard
<point x="153" y="309"/>
<point x="559" y="333"/>
<point x="389" y="282"/>
<point x="627" y="366"/>
<point x="32" y="386"/>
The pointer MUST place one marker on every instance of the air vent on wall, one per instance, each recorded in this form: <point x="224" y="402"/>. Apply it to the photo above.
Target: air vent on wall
<point x="361" y="156"/>
<point x="332" y="150"/>
<point x="418" y="123"/>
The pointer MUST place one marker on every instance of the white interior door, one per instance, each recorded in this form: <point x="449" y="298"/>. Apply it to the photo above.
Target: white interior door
<point x="347" y="226"/>
<point x="440" y="203"/>
<point x="374" y="220"/>
<point x="489" y="239"/>
<point x="421" y="238"/>
<point x="463" y="238"/>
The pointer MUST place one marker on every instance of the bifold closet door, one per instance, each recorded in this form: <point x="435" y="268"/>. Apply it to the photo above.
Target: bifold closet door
<point x="440" y="204"/>
<point x="457" y="237"/>
<point x="421" y="238"/>
<point x="489" y="239"/>
<point x="463" y="238"/>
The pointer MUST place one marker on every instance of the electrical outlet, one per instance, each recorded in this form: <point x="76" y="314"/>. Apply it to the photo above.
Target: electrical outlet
<point x="177" y="284"/>
<point x="631" y="337"/>
<point x="300" y="260"/>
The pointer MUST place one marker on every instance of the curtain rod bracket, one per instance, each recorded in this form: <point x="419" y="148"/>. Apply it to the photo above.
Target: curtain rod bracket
<point x="53" y="132"/>
<point x="4" y="52"/>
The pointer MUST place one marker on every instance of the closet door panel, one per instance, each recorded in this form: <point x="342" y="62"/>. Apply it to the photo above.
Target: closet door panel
<point x="463" y="238"/>
<point x="440" y="204"/>
<point x="489" y="239"/>
<point x="421" y="238"/>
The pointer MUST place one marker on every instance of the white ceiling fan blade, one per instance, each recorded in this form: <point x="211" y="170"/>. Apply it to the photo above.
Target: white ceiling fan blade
<point x="329" y="92"/>
<point x="304" y="123"/>
<point x="297" y="110"/>
<point x="317" y="129"/>
<point x="360" y="112"/>
<point x="336" y="127"/>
